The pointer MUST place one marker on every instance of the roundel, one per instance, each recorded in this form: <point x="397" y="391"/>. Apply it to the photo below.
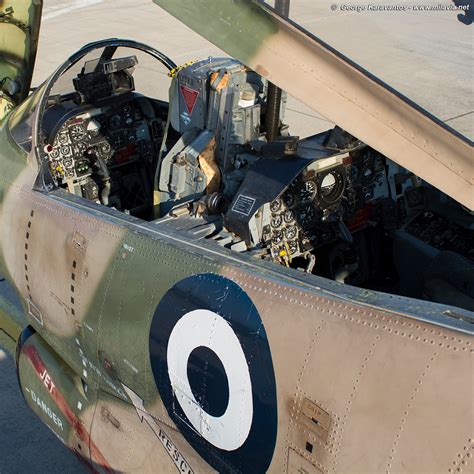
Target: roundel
<point x="213" y="368"/>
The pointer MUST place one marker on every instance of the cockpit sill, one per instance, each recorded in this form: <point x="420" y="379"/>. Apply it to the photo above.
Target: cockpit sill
<point x="340" y="194"/>
<point x="165" y="229"/>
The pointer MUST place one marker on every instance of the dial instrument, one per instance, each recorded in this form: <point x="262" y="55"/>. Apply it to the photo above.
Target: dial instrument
<point x="65" y="150"/>
<point x="276" y="221"/>
<point x="93" y="128"/>
<point x="292" y="247"/>
<point x="308" y="192"/>
<point x="328" y="184"/>
<point x="288" y="216"/>
<point x="291" y="232"/>
<point x="81" y="146"/>
<point x="289" y="199"/>
<point x="275" y="205"/>
<point x="332" y="185"/>
<point x="306" y="216"/>
<point x="277" y="237"/>
<point x="105" y="148"/>
<point x="77" y="132"/>
<point x="67" y="162"/>
<point x="63" y="138"/>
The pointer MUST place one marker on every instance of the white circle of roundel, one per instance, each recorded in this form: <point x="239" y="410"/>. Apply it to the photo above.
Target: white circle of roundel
<point x="205" y="328"/>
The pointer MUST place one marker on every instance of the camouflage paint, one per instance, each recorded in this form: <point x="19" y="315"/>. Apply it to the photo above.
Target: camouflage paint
<point x="17" y="167"/>
<point x="328" y="348"/>
<point x="14" y="161"/>
<point x="380" y="369"/>
<point x="19" y="33"/>
<point x="246" y="17"/>
<point x="12" y="317"/>
<point x="320" y="335"/>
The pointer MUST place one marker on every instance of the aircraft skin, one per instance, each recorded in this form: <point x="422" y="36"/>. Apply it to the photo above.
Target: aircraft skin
<point x="315" y="376"/>
<point x="19" y="40"/>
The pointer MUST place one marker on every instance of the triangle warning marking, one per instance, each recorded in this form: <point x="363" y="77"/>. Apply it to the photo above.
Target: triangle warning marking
<point x="190" y="97"/>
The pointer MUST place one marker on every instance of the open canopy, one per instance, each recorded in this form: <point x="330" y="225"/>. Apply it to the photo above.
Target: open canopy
<point x="313" y="72"/>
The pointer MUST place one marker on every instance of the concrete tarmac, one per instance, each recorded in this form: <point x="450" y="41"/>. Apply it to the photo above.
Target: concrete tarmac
<point x="425" y="55"/>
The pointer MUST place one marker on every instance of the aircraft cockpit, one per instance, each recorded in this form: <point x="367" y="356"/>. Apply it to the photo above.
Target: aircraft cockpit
<point x="192" y="153"/>
<point x="102" y="138"/>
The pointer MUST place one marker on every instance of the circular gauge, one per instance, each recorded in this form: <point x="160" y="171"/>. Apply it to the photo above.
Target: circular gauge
<point x="65" y="150"/>
<point x="328" y="184"/>
<point x="93" y="128"/>
<point x="105" y="148"/>
<point x="67" y="162"/>
<point x="54" y="154"/>
<point x="331" y="187"/>
<point x="70" y="173"/>
<point x="276" y="221"/>
<point x="292" y="246"/>
<point x="291" y="232"/>
<point x="306" y="216"/>
<point x="275" y="205"/>
<point x="308" y="192"/>
<point x="288" y="217"/>
<point x="277" y="237"/>
<point x="63" y="139"/>
<point x="81" y="147"/>
<point x="115" y="122"/>
<point x="77" y="132"/>
<point x="289" y="199"/>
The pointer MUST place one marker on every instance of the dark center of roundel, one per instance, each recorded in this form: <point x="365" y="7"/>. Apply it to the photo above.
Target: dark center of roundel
<point x="213" y="368"/>
<point x="208" y="381"/>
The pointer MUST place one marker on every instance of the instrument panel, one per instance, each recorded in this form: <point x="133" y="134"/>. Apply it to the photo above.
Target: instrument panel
<point x="298" y="221"/>
<point x="107" y="154"/>
<point x="310" y="213"/>
<point x="118" y="134"/>
<point x="442" y="234"/>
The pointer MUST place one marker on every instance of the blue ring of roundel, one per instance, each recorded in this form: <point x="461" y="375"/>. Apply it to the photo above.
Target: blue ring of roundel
<point x="224" y="297"/>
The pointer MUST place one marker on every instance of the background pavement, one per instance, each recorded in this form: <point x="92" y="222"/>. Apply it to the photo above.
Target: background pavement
<point x="428" y="56"/>
<point x="425" y="55"/>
